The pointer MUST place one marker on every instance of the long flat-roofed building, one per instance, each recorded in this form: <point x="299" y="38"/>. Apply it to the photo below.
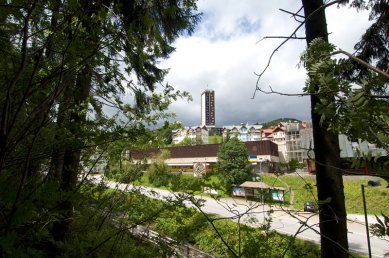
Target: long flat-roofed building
<point x="263" y="155"/>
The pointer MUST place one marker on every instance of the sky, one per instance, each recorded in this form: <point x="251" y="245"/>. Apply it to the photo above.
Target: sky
<point x="226" y="50"/>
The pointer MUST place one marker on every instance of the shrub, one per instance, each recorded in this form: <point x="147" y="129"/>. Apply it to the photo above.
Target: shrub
<point x="158" y="172"/>
<point x="130" y="174"/>
<point x="186" y="184"/>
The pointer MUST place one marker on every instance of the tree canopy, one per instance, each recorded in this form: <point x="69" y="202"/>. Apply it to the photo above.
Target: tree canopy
<point x="65" y="67"/>
<point x="233" y="162"/>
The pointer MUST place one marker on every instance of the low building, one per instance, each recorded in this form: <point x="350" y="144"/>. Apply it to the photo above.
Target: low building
<point x="263" y="155"/>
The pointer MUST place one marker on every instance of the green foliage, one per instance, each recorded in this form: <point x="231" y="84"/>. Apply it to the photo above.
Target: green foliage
<point x="127" y="175"/>
<point x="304" y="189"/>
<point x="187" y="184"/>
<point x="181" y="224"/>
<point x="233" y="164"/>
<point x="381" y="229"/>
<point x="292" y="165"/>
<point x="186" y="142"/>
<point x="103" y="217"/>
<point x="164" y="133"/>
<point x="92" y="225"/>
<point x="131" y="174"/>
<point x="356" y="110"/>
<point x="295" y="164"/>
<point x="372" y="46"/>
<point x="251" y="242"/>
<point x="61" y="66"/>
<point x="376" y="197"/>
<point x="276" y="122"/>
<point x="158" y="171"/>
<point x="189" y="226"/>
<point x="215" y="139"/>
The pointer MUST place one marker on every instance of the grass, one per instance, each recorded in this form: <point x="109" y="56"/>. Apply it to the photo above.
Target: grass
<point x="377" y="198"/>
<point x="304" y="189"/>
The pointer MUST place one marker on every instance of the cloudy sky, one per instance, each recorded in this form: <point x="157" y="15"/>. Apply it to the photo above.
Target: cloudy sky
<point x="224" y="54"/>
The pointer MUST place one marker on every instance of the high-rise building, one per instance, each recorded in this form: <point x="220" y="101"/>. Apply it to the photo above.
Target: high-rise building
<point x="208" y="108"/>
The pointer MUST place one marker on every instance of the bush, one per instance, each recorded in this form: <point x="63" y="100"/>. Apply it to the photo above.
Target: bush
<point x="131" y="174"/>
<point x="182" y="224"/>
<point x="111" y="173"/>
<point x="128" y="175"/>
<point x="186" y="184"/>
<point x="158" y="174"/>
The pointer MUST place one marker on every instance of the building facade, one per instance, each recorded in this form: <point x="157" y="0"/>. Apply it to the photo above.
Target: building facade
<point x="208" y="115"/>
<point x="263" y="156"/>
<point x="293" y="142"/>
<point x="278" y="136"/>
<point x="197" y="134"/>
<point x="244" y="132"/>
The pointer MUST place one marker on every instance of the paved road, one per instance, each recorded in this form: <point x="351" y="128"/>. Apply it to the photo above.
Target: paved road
<point x="283" y="220"/>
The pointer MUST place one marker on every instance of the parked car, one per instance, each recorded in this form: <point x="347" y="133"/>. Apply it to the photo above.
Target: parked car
<point x="309" y="207"/>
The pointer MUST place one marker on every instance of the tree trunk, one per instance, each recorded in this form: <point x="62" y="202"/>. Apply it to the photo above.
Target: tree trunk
<point x="72" y="153"/>
<point x="332" y="215"/>
<point x="63" y="119"/>
<point x="73" y="118"/>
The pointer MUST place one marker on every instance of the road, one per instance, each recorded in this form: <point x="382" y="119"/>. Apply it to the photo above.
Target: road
<point x="283" y="220"/>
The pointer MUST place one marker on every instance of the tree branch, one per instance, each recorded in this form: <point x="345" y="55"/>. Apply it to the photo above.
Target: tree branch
<point x="360" y="61"/>
<point x="283" y="94"/>
<point x="298" y="94"/>
<point x="294" y="15"/>
<point x="287" y="39"/>
<point x="280" y="37"/>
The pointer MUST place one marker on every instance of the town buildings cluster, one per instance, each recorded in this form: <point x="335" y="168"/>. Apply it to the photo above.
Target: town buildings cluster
<point x="294" y="139"/>
<point x="267" y="147"/>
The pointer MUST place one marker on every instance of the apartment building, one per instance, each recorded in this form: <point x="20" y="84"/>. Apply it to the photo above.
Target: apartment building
<point x="197" y="134"/>
<point x="244" y="132"/>
<point x="208" y="115"/>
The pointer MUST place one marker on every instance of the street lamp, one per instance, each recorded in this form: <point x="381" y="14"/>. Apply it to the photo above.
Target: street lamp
<point x="366" y="222"/>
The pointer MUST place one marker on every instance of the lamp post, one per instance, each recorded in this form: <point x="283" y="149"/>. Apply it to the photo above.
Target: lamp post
<point x="366" y="222"/>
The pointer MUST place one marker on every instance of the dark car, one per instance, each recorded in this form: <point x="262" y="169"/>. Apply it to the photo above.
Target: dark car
<point x="309" y="206"/>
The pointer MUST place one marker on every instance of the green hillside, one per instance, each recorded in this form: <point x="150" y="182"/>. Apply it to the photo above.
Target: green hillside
<point x="277" y="121"/>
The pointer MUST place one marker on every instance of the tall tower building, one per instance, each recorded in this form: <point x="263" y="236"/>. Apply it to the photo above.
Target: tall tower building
<point x="208" y="108"/>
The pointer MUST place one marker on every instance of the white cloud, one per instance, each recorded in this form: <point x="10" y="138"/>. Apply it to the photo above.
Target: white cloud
<point x="224" y="53"/>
